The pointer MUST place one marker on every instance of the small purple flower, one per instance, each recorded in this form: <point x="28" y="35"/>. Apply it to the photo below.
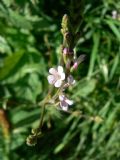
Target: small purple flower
<point x="64" y="102"/>
<point x="114" y="14"/>
<point x="65" y="51"/>
<point x="71" y="80"/>
<point x="56" y="76"/>
<point x="68" y="51"/>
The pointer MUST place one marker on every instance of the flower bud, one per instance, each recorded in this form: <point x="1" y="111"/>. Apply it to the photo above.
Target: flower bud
<point x="68" y="62"/>
<point x="75" y="66"/>
<point x="31" y="140"/>
<point x="65" y="24"/>
<point x="68" y="38"/>
<point x="68" y="51"/>
<point x="65" y="51"/>
<point x="77" y="62"/>
<point x="71" y="80"/>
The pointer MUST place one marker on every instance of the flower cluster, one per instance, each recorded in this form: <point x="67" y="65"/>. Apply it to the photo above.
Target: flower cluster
<point x="62" y="78"/>
<point x="57" y="78"/>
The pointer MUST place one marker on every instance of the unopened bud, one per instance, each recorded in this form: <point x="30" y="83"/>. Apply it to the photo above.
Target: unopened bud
<point x="65" y="51"/>
<point x="31" y="140"/>
<point x="68" y="39"/>
<point x="79" y="60"/>
<point x="34" y="131"/>
<point x="75" y="66"/>
<point x="65" y="19"/>
<point x="68" y="64"/>
<point x="65" y="24"/>
<point x="71" y="80"/>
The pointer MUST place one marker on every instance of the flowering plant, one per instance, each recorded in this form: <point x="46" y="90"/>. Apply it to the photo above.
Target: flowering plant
<point x="61" y="76"/>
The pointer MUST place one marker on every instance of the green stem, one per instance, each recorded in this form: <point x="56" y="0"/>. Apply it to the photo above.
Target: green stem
<point x="45" y="101"/>
<point x="41" y="119"/>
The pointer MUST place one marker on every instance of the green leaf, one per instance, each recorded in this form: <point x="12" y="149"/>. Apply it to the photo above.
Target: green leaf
<point x="29" y="116"/>
<point x="114" y="28"/>
<point x="19" y="20"/>
<point x="96" y="40"/>
<point x="10" y="63"/>
<point x="4" y="47"/>
<point x="8" y="2"/>
<point x="29" y="87"/>
<point x="114" y="66"/>
<point x="44" y="25"/>
<point x="85" y="88"/>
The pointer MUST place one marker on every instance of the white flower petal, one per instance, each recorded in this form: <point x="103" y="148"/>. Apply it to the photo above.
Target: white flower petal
<point x="58" y="83"/>
<point x="64" y="105"/>
<point x="53" y="71"/>
<point x="74" y="81"/>
<point x="68" y="101"/>
<point x="60" y="69"/>
<point x="61" y="97"/>
<point x="51" y="79"/>
<point x="64" y="108"/>
<point x="62" y="76"/>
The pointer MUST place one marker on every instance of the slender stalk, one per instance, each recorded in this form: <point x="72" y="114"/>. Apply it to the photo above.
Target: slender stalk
<point x="42" y="116"/>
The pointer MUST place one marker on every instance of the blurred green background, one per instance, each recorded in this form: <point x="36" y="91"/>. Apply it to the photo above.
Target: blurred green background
<point x="30" y="42"/>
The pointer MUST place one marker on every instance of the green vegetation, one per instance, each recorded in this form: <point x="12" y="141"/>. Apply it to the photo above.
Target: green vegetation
<point x="30" y="40"/>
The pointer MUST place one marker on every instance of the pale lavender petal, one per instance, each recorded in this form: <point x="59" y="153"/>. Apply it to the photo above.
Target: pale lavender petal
<point x="64" y="108"/>
<point x="71" y="80"/>
<point x="68" y="101"/>
<point x="53" y="71"/>
<point x="58" y="83"/>
<point x="114" y="14"/>
<point x="61" y="97"/>
<point x="60" y="69"/>
<point x="64" y="105"/>
<point x="51" y="79"/>
<point x="62" y="76"/>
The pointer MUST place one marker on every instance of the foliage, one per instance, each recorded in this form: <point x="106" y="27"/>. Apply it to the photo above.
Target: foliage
<point x="30" y="41"/>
